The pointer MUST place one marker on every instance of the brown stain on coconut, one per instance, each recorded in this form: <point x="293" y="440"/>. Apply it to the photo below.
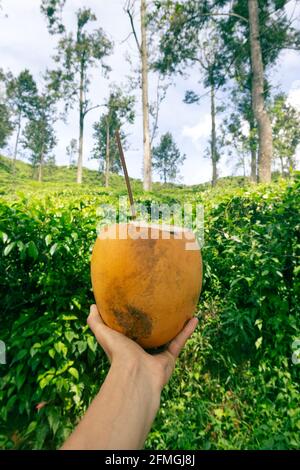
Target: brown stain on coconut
<point x="136" y="323"/>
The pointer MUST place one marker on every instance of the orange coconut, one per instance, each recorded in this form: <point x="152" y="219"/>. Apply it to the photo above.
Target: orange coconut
<point x="146" y="280"/>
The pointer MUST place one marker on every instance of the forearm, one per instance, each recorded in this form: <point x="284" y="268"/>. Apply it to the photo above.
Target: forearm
<point x="121" y="414"/>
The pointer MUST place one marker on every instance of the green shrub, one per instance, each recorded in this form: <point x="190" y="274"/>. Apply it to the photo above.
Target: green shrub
<point x="235" y="385"/>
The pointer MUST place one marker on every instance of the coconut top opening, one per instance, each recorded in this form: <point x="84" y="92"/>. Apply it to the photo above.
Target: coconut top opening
<point x="165" y="227"/>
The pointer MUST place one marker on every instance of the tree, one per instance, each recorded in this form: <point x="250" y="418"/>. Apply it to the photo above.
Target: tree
<point x="258" y="102"/>
<point x="119" y="111"/>
<point x="6" y="125"/>
<point x="209" y="61"/>
<point x="236" y="132"/>
<point x="76" y="55"/>
<point x="21" y="96"/>
<point x="254" y="33"/>
<point x="52" y="9"/>
<point x="39" y="137"/>
<point x="142" y="47"/>
<point x="154" y="106"/>
<point x="180" y="24"/>
<point x="286" y="133"/>
<point x="145" y="99"/>
<point x="71" y="151"/>
<point x="239" y="127"/>
<point x="188" y="38"/>
<point x="105" y="149"/>
<point x="167" y="158"/>
<point x="243" y="113"/>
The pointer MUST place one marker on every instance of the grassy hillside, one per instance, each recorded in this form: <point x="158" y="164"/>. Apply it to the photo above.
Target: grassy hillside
<point x="56" y="174"/>
<point x="59" y="178"/>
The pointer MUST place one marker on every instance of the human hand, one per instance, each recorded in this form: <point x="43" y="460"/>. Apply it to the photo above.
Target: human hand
<point x="122" y="412"/>
<point x="122" y="351"/>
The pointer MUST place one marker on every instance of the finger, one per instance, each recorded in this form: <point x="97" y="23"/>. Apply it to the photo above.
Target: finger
<point x="179" y="341"/>
<point x="98" y="327"/>
<point x="94" y="319"/>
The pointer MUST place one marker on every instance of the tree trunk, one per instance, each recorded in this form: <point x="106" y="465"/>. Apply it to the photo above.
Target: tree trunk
<point x="253" y="176"/>
<point x="165" y="176"/>
<point x="40" y="170"/>
<point x="282" y="165"/>
<point x="107" y="159"/>
<point x="71" y="158"/>
<point x="16" y="144"/>
<point x="291" y="165"/>
<point x="81" y="122"/>
<point x="213" y="141"/>
<point x="258" y="101"/>
<point x="244" y="165"/>
<point x="253" y="150"/>
<point x="145" y="100"/>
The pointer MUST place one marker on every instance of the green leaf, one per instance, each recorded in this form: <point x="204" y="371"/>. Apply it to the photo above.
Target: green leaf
<point x="81" y="346"/>
<point x="64" y="368"/>
<point x="258" y="342"/>
<point x="34" y="349"/>
<point x="46" y="380"/>
<point x="8" y="248"/>
<point x="48" y="239"/>
<point x="297" y="270"/>
<point x="32" y="427"/>
<point x="74" y="372"/>
<point x="41" y="436"/>
<point x="92" y="344"/>
<point x="54" y="420"/>
<point x="20" y="379"/>
<point x="11" y="402"/>
<point x="53" y="249"/>
<point x="32" y="250"/>
<point x="219" y="412"/>
<point x="67" y="248"/>
<point x="61" y="348"/>
<point x="21" y="246"/>
<point x="70" y="335"/>
<point x="76" y="303"/>
<point x="69" y="317"/>
<point x="76" y="389"/>
<point x="21" y="354"/>
<point x="4" y="237"/>
<point x="51" y="353"/>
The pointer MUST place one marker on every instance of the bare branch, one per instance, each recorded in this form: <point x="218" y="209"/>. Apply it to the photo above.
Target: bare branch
<point x="93" y="107"/>
<point x="227" y="14"/>
<point x="154" y="129"/>
<point x="236" y="15"/>
<point x="129" y="13"/>
<point x="161" y="91"/>
<point x="127" y="37"/>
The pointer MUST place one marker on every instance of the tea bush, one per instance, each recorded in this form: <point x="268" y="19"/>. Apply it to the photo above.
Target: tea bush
<point x="235" y="385"/>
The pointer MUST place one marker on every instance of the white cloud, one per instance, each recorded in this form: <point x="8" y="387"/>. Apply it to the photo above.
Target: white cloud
<point x="245" y="128"/>
<point x="294" y="95"/>
<point x="200" y="130"/>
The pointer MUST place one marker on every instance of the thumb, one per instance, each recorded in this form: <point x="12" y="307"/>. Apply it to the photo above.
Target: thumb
<point x="100" y="330"/>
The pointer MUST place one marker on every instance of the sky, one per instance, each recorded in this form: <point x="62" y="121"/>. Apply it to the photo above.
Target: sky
<point x="26" y="43"/>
